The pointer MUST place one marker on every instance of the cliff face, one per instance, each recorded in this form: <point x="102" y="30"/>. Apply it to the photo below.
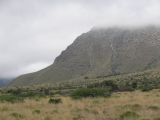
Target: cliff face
<point x="102" y="52"/>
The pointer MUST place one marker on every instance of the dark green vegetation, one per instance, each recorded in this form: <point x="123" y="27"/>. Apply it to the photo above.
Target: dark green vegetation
<point x="90" y="92"/>
<point x="11" y="98"/>
<point x="129" y="115"/>
<point x="102" y="52"/>
<point x="55" y="100"/>
<point x="15" y="95"/>
<point x="36" y="111"/>
<point x="17" y="116"/>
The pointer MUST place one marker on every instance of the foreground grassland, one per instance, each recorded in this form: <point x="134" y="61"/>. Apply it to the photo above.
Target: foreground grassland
<point x="135" y="105"/>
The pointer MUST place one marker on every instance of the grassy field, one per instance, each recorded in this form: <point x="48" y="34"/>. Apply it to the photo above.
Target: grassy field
<point x="135" y="105"/>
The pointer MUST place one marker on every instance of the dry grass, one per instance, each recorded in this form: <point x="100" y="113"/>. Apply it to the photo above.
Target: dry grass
<point x="143" y="105"/>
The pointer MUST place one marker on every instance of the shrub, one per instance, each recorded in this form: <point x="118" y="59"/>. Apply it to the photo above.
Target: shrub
<point x="153" y="108"/>
<point x="31" y="94"/>
<point x="17" y="115"/>
<point x="110" y="84"/>
<point x="156" y="118"/>
<point x="54" y="111"/>
<point x="126" y="85"/>
<point x="145" y="87"/>
<point x="16" y="91"/>
<point x="47" y="118"/>
<point x="90" y="92"/>
<point x="134" y="107"/>
<point x="129" y="115"/>
<point x="11" y="98"/>
<point x="36" y="111"/>
<point x="86" y="77"/>
<point x="55" y="100"/>
<point x="27" y="93"/>
<point x="105" y="84"/>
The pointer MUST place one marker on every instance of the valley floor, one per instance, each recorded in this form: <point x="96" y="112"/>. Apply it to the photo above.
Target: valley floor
<point x="135" y="105"/>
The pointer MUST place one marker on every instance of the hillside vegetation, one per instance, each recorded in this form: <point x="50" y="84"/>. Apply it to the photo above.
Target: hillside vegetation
<point x="144" y="81"/>
<point x="123" y="82"/>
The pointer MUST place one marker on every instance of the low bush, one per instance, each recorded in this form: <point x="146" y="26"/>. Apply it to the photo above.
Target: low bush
<point x="145" y="87"/>
<point x="36" y="111"/>
<point x="129" y="115"/>
<point x="55" y="100"/>
<point x="90" y="92"/>
<point x="17" y="116"/>
<point x="11" y="98"/>
<point x="86" y="77"/>
<point x="105" y="84"/>
<point x="134" y="107"/>
<point x="154" y="108"/>
<point x="47" y="118"/>
<point x="31" y="95"/>
<point x="27" y="93"/>
<point x="157" y="118"/>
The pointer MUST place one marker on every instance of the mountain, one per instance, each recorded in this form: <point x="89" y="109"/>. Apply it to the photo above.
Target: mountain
<point x="4" y="82"/>
<point x="102" y="52"/>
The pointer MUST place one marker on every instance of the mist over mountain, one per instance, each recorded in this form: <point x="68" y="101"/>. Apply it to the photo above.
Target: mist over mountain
<point x="102" y="52"/>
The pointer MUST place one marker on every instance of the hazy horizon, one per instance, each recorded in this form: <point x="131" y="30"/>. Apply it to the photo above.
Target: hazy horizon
<point x="33" y="33"/>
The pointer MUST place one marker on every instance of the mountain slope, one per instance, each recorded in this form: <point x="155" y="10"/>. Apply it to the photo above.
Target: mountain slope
<point x="102" y="52"/>
<point x="4" y="82"/>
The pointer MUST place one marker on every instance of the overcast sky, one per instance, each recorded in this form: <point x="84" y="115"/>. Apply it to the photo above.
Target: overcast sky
<point x="34" y="32"/>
